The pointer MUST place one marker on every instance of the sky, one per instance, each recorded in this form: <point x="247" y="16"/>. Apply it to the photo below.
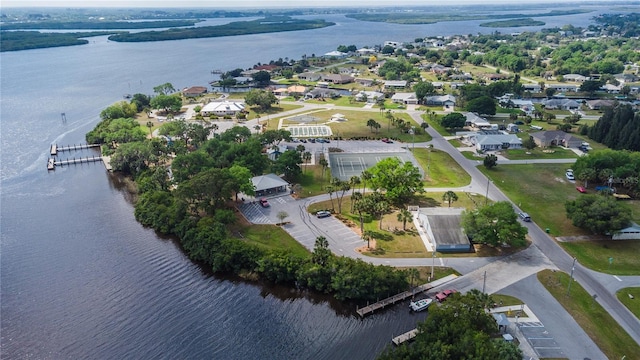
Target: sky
<point x="250" y="3"/>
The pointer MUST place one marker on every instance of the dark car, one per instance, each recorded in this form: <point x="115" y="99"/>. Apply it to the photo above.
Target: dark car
<point x="264" y="202"/>
<point x="323" y="214"/>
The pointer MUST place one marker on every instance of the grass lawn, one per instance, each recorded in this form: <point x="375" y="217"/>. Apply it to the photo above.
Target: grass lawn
<point x="632" y="304"/>
<point x="440" y="169"/>
<point x="436" y="125"/>
<point x="270" y="237"/>
<point x="425" y="273"/>
<point x="312" y="181"/>
<point x="539" y="153"/>
<point x="539" y="189"/>
<point x="595" y="255"/>
<point x="505" y="300"/>
<point x="614" y="342"/>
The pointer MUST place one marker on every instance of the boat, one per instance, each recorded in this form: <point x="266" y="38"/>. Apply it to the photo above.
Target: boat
<point x="420" y="305"/>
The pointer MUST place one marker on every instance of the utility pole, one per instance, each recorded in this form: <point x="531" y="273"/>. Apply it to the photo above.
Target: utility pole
<point x="573" y="267"/>
<point x="484" y="282"/>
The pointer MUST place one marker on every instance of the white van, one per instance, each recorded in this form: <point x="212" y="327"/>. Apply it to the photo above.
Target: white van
<point x="524" y="216"/>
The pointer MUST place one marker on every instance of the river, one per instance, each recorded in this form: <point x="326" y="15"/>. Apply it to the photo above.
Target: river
<point x="81" y="279"/>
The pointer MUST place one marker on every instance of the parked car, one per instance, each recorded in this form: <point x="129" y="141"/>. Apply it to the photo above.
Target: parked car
<point x="386" y="140"/>
<point x="581" y="189"/>
<point x="442" y="296"/>
<point x="323" y="214"/>
<point x="569" y="175"/>
<point x="264" y="202"/>
<point x="524" y="216"/>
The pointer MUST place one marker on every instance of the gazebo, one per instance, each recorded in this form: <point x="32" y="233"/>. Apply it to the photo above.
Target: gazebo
<point x="269" y="184"/>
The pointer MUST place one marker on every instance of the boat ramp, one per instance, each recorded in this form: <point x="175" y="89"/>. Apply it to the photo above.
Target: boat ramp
<point x="370" y="309"/>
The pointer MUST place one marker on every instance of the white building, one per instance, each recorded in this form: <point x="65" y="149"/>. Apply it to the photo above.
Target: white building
<point x="222" y="108"/>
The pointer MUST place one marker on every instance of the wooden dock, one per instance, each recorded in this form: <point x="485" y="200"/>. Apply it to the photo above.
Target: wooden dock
<point x="55" y="149"/>
<point x="408" y="336"/>
<point x="370" y="309"/>
<point x="52" y="163"/>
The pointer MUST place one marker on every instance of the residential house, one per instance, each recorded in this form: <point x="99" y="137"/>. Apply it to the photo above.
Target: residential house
<point x="194" y="91"/>
<point x="222" y="108"/>
<point x="444" y="100"/>
<point x="630" y="233"/>
<point x="309" y="76"/>
<point x="337" y="78"/>
<point x="366" y="51"/>
<point x="476" y="121"/>
<point x="364" y="82"/>
<point x="533" y="88"/>
<point x="564" y="87"/>
<point x="524" y="105"/>
<point x="395" y="84"/>
<point x="461" y="77"/>
<point x="549" y="138"/>
<point x="561" y="104"/>
<point x="492" y="142"/>
<point x="495" y="77"/>
<point x="513" y="128"/>
<point x="599" y="104"/>
<point x="575" y="77"/>
<point x="439" y="69"/>
<point x="322" y="93"/>
<point x="266" y="67"/>
<point x="369" y="96"/>
<point x="405" y="98"/>
<point x="444" y="226"/>
<point x="611" y="89"/>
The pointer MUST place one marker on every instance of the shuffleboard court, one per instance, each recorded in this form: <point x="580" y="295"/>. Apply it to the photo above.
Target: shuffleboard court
<point x="345" y="165"/>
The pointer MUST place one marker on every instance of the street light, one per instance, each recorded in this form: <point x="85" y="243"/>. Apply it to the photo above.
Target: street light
<point x="573" y="267"/>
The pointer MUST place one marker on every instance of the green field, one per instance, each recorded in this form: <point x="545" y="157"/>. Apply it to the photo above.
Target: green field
<point x="612" y="339"/>
<point x="271" y="237"/>
<point x="440" y="169"/>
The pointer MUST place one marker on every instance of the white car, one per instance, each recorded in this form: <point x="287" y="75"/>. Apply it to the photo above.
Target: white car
<point x="569" y="175"/>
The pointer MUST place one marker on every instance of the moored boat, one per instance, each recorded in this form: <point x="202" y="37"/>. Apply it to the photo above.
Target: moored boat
<point x="420" y="305"/>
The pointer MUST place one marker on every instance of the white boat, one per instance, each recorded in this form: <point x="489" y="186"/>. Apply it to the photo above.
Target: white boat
<point x="420" y="305"/>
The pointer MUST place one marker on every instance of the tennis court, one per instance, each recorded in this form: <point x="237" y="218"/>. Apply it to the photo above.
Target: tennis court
<point x="345" y="165"/>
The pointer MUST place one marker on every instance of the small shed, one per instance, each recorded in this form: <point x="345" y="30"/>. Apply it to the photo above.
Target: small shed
<point x="502" y="321"/>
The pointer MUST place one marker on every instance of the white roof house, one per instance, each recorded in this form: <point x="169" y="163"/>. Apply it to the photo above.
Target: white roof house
<point x="476" y="121"/>
<point x="336" y="54"/>
<point x="496" y="142"/>
<point x="394" y="84"/>
<point x="370" y="96"/>
<point x="404" y="98"/>
<point x="221" y="108"/>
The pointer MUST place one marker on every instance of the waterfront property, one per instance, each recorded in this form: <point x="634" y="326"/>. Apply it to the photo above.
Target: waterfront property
<point x="443" y="226"/>
<point x="222" y="108"/>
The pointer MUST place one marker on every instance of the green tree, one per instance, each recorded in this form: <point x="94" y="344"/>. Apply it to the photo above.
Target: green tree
<point x="483" y="105"/>
<point x="288" y="163"/>
<point x="168" y="103"/>
<point x="449" y="197"/>
<point x="164" y="89"/>
<point x="367" y="236"/>
<point x="321" y="253"/>
<point x="423" y="89"/>
<point x="453" y="120"/>
<point x="132" y="157"/>
<point x="207" y="191"/>
<point x="401" y="181"/>
<point x="490" y="161"/>
<point x="494" y="224"/>
<point x="242" y="177"/>
<point x="262" y="78"/>
<point x="119" y="110"/>
<point x="281" y="216"/>
<point x="405" y="215"/>
<point x="262" y="98"/>
<point x="150" y="126"/>
<point x="599" y="214"/>
<point x="529" y="143"/>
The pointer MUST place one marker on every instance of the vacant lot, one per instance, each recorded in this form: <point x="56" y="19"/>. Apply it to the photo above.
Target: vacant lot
<point x="440" y="169"/>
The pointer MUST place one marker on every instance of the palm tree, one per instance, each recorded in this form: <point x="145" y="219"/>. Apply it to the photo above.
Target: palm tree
<point x="306" y="156"/>
<point x="366" y="175"/>
<point x="380" y="208"/>
<point x="353" y="181"/>
<point x="355" y="197"/>
<point x="324" y="163"/>
<point x="405" y="215"/>
<point x="214" y="127"/>
<point x="330" y="189"/>
<point x="150" y="125"/>
<point x="368" y="235"/>
<point x="300" y="148"/>
<point x="449" y="197"/>
<point x="257" y="128"/>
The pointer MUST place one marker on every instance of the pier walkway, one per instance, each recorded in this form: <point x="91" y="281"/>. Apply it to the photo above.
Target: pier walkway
<point x="55" y="149"/>
<point x="369" y="309"/>
<point x="408" y="336"/>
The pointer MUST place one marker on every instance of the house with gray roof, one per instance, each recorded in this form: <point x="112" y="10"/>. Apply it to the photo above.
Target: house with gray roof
<point x="404" y="98"/>
<point x="555" y="138"/>
<point x="476" y="121"/>
<point x="322" y="93"/>
<point x="309" y="76"/>
<point x="337" y="78"/>
<point x="561" y="104"/>
<point x="492" y="142"/>
<point x="395" y="84"/>
<point x="445" y="100"/>
<point x="575" y="77"/>
<point x="599" y="104"/>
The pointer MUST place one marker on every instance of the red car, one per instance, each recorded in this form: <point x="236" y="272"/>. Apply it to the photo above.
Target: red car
<point x="442" y="296"/>
<point x="581" y="189"/>
<point x="264" y="202"/>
